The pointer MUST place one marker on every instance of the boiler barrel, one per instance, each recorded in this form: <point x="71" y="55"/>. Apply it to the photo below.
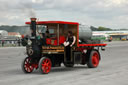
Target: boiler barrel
<point x="85" y="32"/>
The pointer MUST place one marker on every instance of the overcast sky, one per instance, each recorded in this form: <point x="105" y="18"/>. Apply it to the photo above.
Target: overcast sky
<point x="107" y="13"/>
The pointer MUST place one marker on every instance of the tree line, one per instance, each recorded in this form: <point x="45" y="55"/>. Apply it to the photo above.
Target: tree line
<point x="20" y="29"/>
<point x="101" y="28"/>
<point x="25" y="29"/>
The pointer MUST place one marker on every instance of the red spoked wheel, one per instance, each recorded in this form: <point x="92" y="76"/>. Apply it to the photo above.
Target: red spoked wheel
<point x="45" y="65"/>
<point x="27" y="66"/>
<point x="94" y="59"/>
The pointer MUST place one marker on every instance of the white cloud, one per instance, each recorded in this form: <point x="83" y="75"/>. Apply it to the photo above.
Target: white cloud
<point x="37" y="1"/>
<point x="109" y="13"/>
<point x="118" y="2"/>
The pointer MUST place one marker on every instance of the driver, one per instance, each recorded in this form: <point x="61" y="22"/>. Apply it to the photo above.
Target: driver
<point x="71" y="39"/>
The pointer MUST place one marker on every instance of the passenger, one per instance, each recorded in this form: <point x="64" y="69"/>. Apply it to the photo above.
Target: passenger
<point x="70" y="41"/>
<point x="42" y="39"/>
<point x="47" y="34"/>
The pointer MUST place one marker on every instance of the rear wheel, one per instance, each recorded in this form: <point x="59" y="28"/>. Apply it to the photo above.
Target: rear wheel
<point x="94" y="58"/>
<point x="45" y="65"/>
<point x="26" y="65"/>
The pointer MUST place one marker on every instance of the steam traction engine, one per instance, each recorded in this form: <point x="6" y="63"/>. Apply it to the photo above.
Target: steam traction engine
<point x="44" y="52"/>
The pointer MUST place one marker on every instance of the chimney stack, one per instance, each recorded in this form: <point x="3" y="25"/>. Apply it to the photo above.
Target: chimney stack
<point x="33" y="27"/>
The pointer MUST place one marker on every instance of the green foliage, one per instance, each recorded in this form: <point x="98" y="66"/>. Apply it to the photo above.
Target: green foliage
<point x="20" y="29"/>
<point x="100" y="28"/>
<point x="25" y="29"/>
<point x="103" y="29"/>
<point x="124" y="29"/>
<point x="93" y="28"/>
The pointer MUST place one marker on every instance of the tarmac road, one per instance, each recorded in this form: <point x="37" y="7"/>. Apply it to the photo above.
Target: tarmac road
<point x="113" y="69"/>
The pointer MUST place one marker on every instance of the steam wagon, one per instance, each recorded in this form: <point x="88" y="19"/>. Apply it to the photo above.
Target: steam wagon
<point x="43" y="53"/>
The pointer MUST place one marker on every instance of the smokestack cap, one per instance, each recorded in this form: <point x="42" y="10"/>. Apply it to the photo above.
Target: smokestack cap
<point x="33" y="19"/>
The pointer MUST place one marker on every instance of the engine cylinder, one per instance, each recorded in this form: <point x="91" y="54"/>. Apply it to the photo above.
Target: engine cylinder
<point x="85" y="33"/>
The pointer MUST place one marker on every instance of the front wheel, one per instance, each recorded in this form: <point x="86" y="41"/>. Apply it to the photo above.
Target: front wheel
<point x="45" y="65"/>
<point x="94" y="58"/>
<point x="26" y="65"/>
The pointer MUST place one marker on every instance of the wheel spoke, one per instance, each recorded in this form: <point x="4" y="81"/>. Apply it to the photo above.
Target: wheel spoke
<point x="46" y="65"/>
<point x="95" y="59"/>
<point x="43" y="64"/>
<point x="27" y="69"/>
<point x="27" y="61"/>
<point x="45" y="61"/>
<point x="31" y="68"/>
<point x="44" y="68"/>
<point x="27" y="65"/>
